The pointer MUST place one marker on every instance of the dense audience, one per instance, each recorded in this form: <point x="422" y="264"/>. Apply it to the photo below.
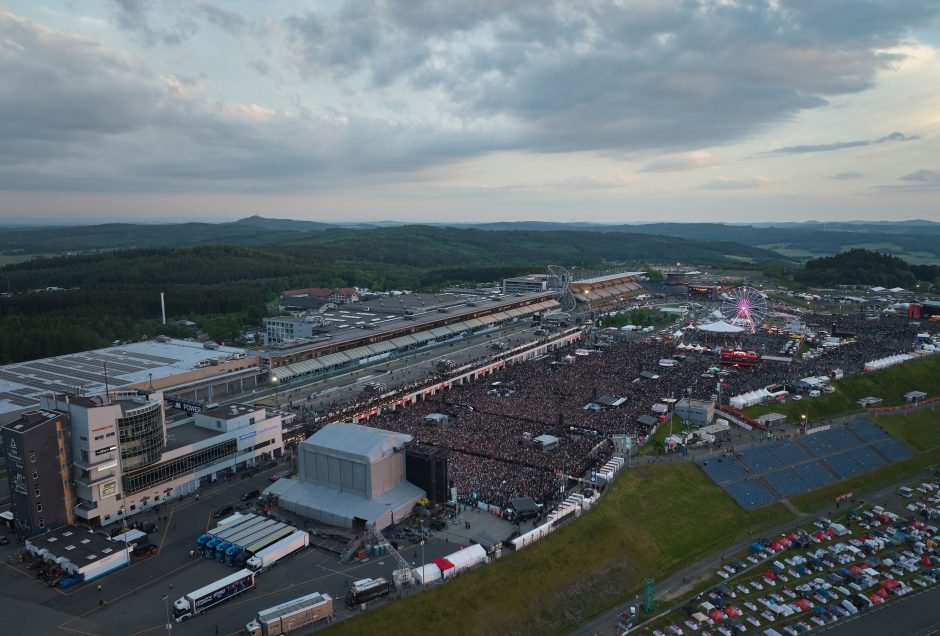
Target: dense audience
<point x="492" y="422"/>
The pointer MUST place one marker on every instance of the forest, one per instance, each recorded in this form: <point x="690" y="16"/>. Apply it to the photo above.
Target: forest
<point x="866" y="267"/>
<point x="115" y="294"/>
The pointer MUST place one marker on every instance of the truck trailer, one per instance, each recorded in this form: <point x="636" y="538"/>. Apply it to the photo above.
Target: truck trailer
<point x="286" y="617"/>
<point x="211" y="595"/>
<point x="366" y="590"/>
<point x="266" y="558"/>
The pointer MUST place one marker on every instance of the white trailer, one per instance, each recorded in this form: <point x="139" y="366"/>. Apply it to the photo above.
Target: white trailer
<point x="205" y="597"/>
<point x="266" y="558"/>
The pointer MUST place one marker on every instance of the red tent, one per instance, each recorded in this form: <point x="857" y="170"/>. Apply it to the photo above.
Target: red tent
<point x="890" y="584"/>
<point x="444" y="565"/>
<point x="770" y="576"/>
<point x="731" y="611"/>
<point x="875" y="599"/>
<point x="924" y="561"/>
<point x="830" y="532"/>
<point x="819" y="536"/>
<point x="792" y="536"/>
<point x="855" y="569"/>
<point x="716" y="616"/>
<point x="802" y="604"/>
<point x="881" y="593"/>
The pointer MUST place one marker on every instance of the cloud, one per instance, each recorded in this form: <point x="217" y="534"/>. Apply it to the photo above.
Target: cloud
<point x="677" y="163"/>
<point x="95" y="119"/>
<point x="923" y="176"/>
<point x="736" y="183"/>
<point x="847" y="176"/>
<point x="172" y="24"/>
<point x="841" y="145"/>
<point x="609" y="76"/>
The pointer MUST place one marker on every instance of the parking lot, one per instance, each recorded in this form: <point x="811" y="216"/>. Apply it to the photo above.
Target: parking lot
<point x="131" y="600"/>
<point x="829" y="575"/>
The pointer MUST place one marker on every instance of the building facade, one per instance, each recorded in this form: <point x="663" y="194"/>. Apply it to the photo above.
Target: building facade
<point x="125" y="459"/>
<point x="38" y="471"/>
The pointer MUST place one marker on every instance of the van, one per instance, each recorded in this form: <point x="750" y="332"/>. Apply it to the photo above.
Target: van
<point x="905" y="492"/>
<point x="814" y="393"/>
<point x="252" y="494"/>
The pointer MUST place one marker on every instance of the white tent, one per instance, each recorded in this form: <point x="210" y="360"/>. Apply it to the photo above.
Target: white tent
<point x="720" y="326"/>
<point x="749" y="399"/>
<point x="678" y="333"/>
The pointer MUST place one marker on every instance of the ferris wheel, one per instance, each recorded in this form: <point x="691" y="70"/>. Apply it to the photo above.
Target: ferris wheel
<point x="744" y="307"/>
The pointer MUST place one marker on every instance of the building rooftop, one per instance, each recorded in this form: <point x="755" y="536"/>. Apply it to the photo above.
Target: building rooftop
<point x="186" y="434"/>
<point x="32" y="419"/>
<point x="346" y="322"/>
<point x="357" y="442"/>
<point x="21" y="384"/>
<point x="231" y="411"/>
<point x="76" y="544"/>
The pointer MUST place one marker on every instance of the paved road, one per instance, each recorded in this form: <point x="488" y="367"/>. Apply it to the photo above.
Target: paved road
<point x="914" y="615"/>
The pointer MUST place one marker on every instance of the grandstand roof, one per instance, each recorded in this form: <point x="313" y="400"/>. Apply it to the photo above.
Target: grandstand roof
<point x="605" y="279"/>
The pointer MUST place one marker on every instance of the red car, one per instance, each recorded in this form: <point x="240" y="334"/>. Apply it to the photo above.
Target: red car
<point x="278" y="475"/>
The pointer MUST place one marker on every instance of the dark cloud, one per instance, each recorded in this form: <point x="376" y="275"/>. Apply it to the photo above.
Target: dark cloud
<point x="678" y="163"/>
<point x="923" y="176"/>
<point x="172" y="24"/>
<point x="96" y="120"/>
<point x="611" y="76"/>
<point x="847" y="176"/>
<point x="841" y="145"/>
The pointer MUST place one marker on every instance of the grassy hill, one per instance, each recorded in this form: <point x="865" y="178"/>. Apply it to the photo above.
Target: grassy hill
<point x="654" y="519"/>
<point x="889" y="384"/>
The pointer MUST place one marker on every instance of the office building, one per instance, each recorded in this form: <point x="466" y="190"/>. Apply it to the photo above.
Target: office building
<point x="38" y="471"/>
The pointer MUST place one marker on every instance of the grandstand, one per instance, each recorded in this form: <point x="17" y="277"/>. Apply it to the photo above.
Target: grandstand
<point x="602" y="290"/>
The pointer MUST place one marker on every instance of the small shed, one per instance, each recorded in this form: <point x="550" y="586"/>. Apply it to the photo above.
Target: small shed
<point x="869" y="402"/>
<point x="772" y="419"/>
<point x="647" y="421"/>
<point x="913" y="397"/>
<point x="547" y="442"/>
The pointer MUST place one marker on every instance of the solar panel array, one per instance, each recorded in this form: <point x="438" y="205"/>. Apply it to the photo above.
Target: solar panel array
<point x="723" y="470"/>
<point x="749" y="493"/>
<point x="764" y="473"/>
<point x="771" y="456"/>
<point x="827" y="442"/>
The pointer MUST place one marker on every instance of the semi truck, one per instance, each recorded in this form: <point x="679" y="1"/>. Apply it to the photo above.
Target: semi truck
<point x="366" y="590"/>
<point x="266" y="558"/>
<point x="286" y="617"/>
<point x="199" y="601"/>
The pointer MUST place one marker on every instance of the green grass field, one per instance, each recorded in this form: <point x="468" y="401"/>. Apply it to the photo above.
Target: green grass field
<point x="889" y="384"/>
<point x="654" y="520"/>
<point x="919" y="430"/>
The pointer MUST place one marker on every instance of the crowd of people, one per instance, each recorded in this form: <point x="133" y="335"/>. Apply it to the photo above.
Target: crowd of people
<point x="491" y="423"/>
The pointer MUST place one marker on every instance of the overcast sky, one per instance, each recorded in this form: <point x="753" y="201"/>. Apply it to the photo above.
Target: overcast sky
<point x="472" y="110"/>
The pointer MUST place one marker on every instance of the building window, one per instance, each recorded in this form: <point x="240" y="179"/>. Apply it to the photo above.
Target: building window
<point x="84" y="455"/>
<point x="156" y="497"/>
<point x="218" y="424"/>
<point x="83" y="438"/>
<point x="42" y="523"/>
<point x="107" y="517"/>
<point x="32" y="456"/>
<point x="133" y="506"/>
<point x="38" y="507"/>
<point x="36" y="491"/>
<point x="35" y="475"/>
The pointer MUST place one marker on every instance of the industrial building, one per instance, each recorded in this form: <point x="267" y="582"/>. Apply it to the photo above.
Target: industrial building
<point x="124" y="458"/>
<point x="37" y="465"/>
<point x="350" y="476"/>
<point x="205" y="372"/>
<point x="531" y="283"/>
<point x="695" y="412"/>
<point x="80" y="551"/>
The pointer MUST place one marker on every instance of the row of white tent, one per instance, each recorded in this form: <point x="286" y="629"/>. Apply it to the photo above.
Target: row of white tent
<point x="694" y="347"/>
<point x="574" y="505"/>
<point x="454" y="564"/>
<point x="889" y="361"/>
